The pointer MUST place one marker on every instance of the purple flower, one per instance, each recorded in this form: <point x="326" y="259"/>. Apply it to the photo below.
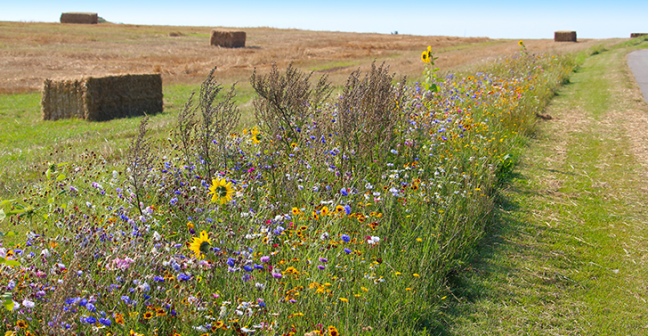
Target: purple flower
<point x="347" y="209"/>
<point x="247" y="268"/>
<point x="158" y="279"/>
<point x="174" y="201"/>
<point x="184" y="277"/>
<point x="90" y="320"/>
<point x="324" y="260"/>
<point x="91" y="308"/>
<point x="321" y="267"/>
<point x="230" y="262"/>
<point x="346" y="238"/>
<point x="265" y="259"/>
<point x="277" y="275"/>
<point x="347" y="251"/>
<point x="105" y="321"/>
<point x="344" y="192"/>
<point x="83" y="302"/>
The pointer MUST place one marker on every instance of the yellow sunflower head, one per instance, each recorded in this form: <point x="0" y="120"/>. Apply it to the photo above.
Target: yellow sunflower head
<point x="425" y="57"/>
<point x="221" y="191"/>
<point x="200" y="245"/>
<point x="254" y="135"/>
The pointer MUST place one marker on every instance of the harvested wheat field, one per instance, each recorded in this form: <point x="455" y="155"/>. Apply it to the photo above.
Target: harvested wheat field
<point x="33" y="52"/>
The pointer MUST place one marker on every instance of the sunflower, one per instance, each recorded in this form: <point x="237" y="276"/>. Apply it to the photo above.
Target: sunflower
<point x="521" y="43"/>
<point x="221" y="191"/>
<point x="426" y="56"/>
<point x="200" y="245"/>
<point x="254" y="135"/>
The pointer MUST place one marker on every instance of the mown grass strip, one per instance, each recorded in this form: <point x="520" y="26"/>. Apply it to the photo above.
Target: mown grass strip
<point x="566" y="253"/>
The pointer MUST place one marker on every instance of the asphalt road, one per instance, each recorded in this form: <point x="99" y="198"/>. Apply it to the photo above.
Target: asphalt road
<point x="638" y="63"/>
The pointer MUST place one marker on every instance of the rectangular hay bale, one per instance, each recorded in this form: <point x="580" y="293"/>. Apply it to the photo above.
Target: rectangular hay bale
<point x="633" y="35"/>
<point x="88" y="18"/>
<point x="102" y="98"/>
<point x="228" y="39"/>
<point x="565" y="36"/>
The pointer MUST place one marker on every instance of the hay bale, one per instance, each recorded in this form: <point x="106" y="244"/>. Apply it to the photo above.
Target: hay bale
<point x="175" y="34"/>
<point x="565" y="36"/>
<point x="102" y="98"/>
<point x="633" y="35"/>
<point x="90" y="18"/>
<point x="228" y="39"/>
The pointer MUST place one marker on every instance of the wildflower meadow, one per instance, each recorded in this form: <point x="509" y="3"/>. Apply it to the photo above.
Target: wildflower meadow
<point x="340" y="213"/>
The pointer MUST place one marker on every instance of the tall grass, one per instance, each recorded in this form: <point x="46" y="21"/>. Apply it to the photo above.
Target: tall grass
<point x="331" y="216"/>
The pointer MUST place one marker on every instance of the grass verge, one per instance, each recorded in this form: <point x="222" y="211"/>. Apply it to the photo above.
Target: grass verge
<point x="566" y="252"/>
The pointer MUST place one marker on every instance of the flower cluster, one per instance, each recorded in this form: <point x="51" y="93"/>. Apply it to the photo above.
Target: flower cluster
<point x="293" y="233"/>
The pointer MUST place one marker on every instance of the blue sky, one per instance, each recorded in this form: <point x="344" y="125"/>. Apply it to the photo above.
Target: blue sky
<point x="495" y="19"/>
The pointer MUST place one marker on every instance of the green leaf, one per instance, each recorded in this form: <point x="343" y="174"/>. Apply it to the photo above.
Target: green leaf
<point x="5" y="202"/>
<point x="8" y="304"/>
<point x="61" y="177"/>
<point x="8" y="234"/>
<point x="11" y="263"/>
<point x="2" y="215"/>
<point x="48" y="173"/>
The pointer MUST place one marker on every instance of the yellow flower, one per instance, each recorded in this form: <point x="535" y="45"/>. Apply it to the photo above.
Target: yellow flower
<point x="344" y="300"/>
<point x="419" y="240"/>
<point x="416" y="275"/>
<point x="333" y="331"/>
<point x="296" y="211"/>
<point x="200" y="245"/>
<point x="221" y="191"/>
<point x="254" y="135"/>
<point x="425" y="57"/>
<point x="21" y="324"/>
<point x="324" y="211"/>
<point x="521" y="44"/>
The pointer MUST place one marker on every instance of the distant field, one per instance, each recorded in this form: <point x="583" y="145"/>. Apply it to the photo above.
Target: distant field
<point x="31" y="52"/>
